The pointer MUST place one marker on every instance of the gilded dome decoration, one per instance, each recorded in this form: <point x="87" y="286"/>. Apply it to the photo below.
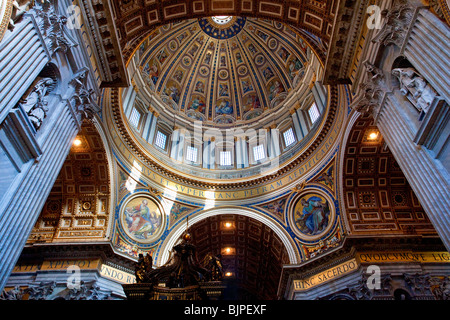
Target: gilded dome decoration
<point x="223" y="71"/>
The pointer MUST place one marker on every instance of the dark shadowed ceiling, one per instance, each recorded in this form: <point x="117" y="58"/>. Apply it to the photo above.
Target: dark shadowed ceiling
<point x="255" y="257"/>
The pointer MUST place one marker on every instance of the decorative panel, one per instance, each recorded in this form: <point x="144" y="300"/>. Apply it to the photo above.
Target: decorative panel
<point x="77" y="208"/>
<point x="377" y="197"/>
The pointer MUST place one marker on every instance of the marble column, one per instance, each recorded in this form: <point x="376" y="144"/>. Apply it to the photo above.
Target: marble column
<point x="27" y="197"/>
<point x="23" y="54"/>
<point x="429" y="180"/>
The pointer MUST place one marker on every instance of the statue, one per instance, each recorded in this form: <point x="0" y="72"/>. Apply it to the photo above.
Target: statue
<point x="214" y="265"/>
<point x="415" y="88"/>
<point x="34" y="105"/>
<point x="143" y="266"/>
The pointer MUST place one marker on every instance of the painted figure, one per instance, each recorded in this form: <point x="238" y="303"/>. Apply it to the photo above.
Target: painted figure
<point x="314" y="217"/>
<point x="141" y="222"/>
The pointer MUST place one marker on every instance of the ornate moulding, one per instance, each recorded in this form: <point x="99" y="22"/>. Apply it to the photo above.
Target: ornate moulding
<point x="6" y="7"/>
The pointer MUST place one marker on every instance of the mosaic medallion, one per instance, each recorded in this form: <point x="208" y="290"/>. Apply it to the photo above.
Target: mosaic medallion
<point x="142" y="219"/>
<point x="312" y="215"/>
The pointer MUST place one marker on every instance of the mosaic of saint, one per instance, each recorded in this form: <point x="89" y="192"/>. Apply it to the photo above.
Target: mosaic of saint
<point x="312" y="214"/>
<point x="142" y="219"/>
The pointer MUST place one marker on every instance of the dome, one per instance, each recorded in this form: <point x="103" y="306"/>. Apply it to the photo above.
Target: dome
<point x="224" y="73"/>
<point x="222" y="70"/>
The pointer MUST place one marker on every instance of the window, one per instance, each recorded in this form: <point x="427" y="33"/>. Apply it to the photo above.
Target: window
<point x="289" y="137"/>
<point x="135" y="117"/>
<point x="160" y="140"/>
<point x="258" y="152"/>
<point x="191" y="153"/>
<point x="314" y="113"/>
<point x="225" y="158"/>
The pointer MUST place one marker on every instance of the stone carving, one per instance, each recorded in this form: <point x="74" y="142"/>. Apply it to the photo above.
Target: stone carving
<point x="419" y="283"/>
<point x="83" y="98"/>
<point x="371" y="92"/>
<point x="41" y="291"/>
<point x="397" y="21"/>
<point x="360" y="291"/>
<point x="14" y="294"/>
<point x="52" y="27"/>
<point x="415" y="88"/>
<point x="35" y="103"/>
<point x="440" y="287"/>
<point x="44" y="291"/>
<point x="87" y="291"/>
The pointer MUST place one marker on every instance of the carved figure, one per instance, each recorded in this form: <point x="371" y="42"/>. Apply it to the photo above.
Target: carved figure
<point x="214" y="265"/>
<point x="414" y="86"/>
<point x="143" y="266"/>
<point x="35" y="104"/>
<point x="14" y="294"/>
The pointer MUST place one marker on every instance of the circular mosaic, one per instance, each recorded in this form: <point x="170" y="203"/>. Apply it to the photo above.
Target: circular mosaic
<point x="173" y="45"/>
<point x="273" y="44"/>
<point x="142" y="219"/>
<point x="223" y="74"/>
<point x="312" y="215"/>
<point x="187" y="61"/>
<point x="204" y="71"/>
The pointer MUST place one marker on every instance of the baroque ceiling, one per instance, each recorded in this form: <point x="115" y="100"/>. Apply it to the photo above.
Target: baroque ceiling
<point x="222" y="70"/>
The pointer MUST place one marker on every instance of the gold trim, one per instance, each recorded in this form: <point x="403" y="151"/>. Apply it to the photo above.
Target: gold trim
<point x="6" y="12"/>
<point x="445" y="10"/>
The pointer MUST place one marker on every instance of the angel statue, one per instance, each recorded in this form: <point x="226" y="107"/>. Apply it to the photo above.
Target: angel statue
<point x="415" y="88"/>
<point x="18" y="10"/>
<point x="214" y="265"/>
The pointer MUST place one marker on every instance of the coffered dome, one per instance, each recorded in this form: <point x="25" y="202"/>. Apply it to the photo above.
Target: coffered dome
<point x="244" y="89"/>
<point x="222" y="70"/>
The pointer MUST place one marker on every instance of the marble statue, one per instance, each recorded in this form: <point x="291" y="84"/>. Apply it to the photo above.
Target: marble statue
<point x="414" y="86"/>
<point x="35" y="104"/>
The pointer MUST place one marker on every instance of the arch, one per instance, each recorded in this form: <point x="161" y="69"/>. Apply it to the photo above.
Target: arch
<point x="175" y="234"/>
<point x="81" y="197"/>
<point x="375" y="195"/>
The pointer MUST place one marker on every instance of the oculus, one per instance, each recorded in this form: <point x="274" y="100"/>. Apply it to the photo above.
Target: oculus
<point x="222" y="19"/>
